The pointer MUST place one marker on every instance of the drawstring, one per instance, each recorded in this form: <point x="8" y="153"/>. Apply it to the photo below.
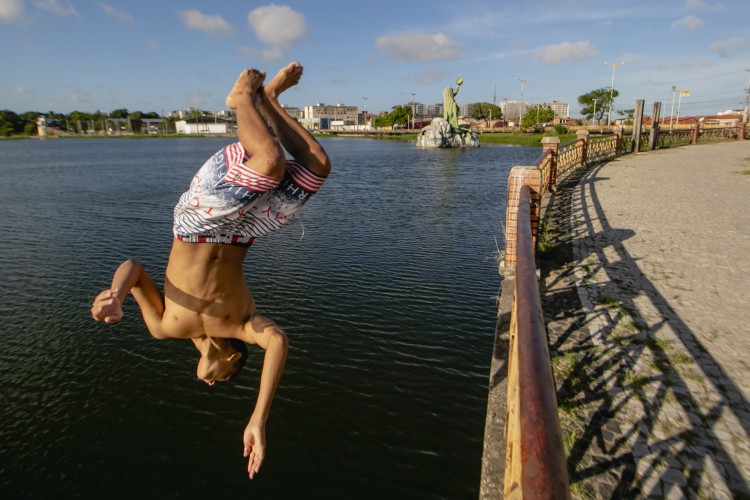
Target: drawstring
<point x="299" y="218"/>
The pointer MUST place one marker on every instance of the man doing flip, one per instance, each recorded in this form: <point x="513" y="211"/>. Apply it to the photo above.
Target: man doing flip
<point x="244" y="191"/>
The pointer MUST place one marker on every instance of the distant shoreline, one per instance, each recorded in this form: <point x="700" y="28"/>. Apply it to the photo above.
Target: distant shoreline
<point x="517" y="139"/>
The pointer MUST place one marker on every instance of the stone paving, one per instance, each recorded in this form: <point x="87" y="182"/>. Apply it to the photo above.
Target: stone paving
<point x="645" y="267"/>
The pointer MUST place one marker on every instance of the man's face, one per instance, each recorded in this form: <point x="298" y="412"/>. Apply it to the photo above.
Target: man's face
<point x="219" y="361"/>
<point x="215" y="370"/>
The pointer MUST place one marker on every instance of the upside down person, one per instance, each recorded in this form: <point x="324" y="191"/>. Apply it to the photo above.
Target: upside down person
<point x="244" y="191"/>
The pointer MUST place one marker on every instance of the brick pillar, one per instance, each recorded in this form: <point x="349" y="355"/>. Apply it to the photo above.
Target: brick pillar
<point x="583" y="136"/>
<point x="618" y="140"/>
<point x="551" y="144"/>
<point x="741" y="131"/>
<point x="518" y="177"/>
<point x="696" y="129"/>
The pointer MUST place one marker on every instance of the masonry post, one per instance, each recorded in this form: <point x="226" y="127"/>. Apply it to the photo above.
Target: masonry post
<point x="696" y="133"/>
<point x="653" y="139"/>
<point x="637" y="126"/>
<point x="583" y="136"/>
<point x="551" y="144"/>
<point x="618" y="140"/>
<point x="520" y="176"/>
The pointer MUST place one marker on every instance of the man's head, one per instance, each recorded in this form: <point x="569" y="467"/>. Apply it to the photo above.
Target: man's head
<point x="221" y="359"/>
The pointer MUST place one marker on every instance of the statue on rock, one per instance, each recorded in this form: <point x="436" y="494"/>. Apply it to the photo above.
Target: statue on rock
<point x="446" y="132"/>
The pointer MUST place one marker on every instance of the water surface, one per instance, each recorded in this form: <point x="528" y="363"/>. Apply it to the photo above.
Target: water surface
<point x="386" y="289"/>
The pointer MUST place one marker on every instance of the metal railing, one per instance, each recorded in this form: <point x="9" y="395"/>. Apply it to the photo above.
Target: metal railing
<point x="535" y="459"/>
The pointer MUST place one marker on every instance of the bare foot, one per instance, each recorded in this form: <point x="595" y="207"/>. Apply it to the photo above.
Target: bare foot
<point x="287" y="77"/>
<point x="247" y="84"/>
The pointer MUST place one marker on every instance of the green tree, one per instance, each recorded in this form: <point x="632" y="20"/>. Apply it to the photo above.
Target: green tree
<point x="485" y="111"/>
<point x="119" y="113"/>
<point x="135" y="121"/>
<point x="603" y="100"/>
<point x="399" y="116"/>
<point x="536" y="115"/>
<point x="9" y="123"/>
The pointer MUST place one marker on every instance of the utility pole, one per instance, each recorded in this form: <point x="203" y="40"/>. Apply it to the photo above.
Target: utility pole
<point x="523" y="81"/>
<point x="671" y="114"/>
<point x="747" y="100"/>
<point x="593" y="117"/>
<point x="612" y="88"/>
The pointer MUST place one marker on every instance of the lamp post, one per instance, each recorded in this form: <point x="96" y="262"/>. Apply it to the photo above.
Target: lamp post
<point x="671" y="114"/>
<point x="522" y="81"/>
<point x="747" y="101"/>
<point x="593" y="117"/>
<point x="413" y="108"/>
<point x="612" y="88"/>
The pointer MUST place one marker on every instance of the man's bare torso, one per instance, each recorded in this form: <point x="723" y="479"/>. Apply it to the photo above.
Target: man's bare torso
<point x="205" y="290"/>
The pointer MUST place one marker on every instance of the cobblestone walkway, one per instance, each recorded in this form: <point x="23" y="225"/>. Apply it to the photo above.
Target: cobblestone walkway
<point x="646" y="290"/>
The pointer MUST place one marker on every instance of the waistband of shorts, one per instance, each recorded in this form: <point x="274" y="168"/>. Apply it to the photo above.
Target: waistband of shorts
<point x="238" y="241"/>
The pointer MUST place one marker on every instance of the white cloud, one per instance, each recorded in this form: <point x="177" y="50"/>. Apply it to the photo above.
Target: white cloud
<point x="277" y="25"/>
<point x="430" y="77"/>
<point x="20" y="90"/>
<point x="123" y="16"/>
<point x="725" y="47"/>
<point x="57" y="8"/>
<point x="703" y="5"/>
<point x="633" y="58"/>
<point x="212" y="25"/>
<point x="419" y="46"/>
<point x="154" y="45"/>
<point x="690" y="23"/>
<point x="10" y="9"/>
<point x="272" y="54"/>
<point x="564" y="51"/>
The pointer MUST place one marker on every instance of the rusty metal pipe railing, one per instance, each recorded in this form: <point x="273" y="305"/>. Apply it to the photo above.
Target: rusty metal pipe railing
<point x="535" y="460"/>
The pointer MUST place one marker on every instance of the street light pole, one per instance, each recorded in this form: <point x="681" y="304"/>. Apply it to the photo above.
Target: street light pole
<point x="671" y="114"/>
<point x="612" y="88"/>
<point x="413" y="108"/>
<point x="747" y="100"/>
<point x="593" y="117"/>
<point x="523" y="81"/>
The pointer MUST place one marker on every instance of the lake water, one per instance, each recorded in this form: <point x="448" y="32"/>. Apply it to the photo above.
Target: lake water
<point x="387" y="291"/>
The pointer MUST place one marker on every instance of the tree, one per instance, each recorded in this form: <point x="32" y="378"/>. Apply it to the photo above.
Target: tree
<point x="536" y="115"/>
<point x="484" y="111"/>
<point x="9" y="123"/>
<point x="119" y="113"/>
<point x="603" y="100"/>
<point x="399" y="116"/>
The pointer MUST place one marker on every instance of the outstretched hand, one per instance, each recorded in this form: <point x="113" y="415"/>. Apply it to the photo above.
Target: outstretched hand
<point x="107" y="306"/>
<point x="254" y="440"/>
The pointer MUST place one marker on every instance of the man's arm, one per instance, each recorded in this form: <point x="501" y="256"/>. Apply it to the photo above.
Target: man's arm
<point x="131" y="277"/>
<point x="264" y="332"/>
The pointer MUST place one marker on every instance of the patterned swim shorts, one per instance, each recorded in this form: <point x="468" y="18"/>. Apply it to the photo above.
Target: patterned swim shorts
<point x="231" y="204"/>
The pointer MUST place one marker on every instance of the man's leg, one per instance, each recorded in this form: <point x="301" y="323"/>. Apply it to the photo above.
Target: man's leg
<point x="266" y="155"/>
<point x="293" y="136"/>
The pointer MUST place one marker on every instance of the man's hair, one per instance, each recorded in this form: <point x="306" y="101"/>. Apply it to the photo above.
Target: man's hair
<point x="240" y="347"/>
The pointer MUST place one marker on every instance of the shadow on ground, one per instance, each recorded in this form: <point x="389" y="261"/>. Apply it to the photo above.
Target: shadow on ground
<point x="645" y="409"/>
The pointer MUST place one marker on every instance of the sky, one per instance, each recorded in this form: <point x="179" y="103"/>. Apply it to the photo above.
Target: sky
<point x="164" y="55"/>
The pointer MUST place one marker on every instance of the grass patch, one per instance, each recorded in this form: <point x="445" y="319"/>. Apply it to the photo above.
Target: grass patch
<point x="657" y="344"/>
<point x="603" y="300"/>
<point x="634" y="380"/>
<point x="682" y="359"/>
<point x="745" y="172"/>
<point x="519" y="139"/>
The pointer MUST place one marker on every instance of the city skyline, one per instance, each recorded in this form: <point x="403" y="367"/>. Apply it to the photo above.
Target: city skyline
<point x="66" y="55"/>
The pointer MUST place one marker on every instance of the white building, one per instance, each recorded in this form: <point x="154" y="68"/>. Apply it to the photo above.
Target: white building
<point x="512" y="110"/>
<point x="183" y="127"/>
<point x="559" y="108"/>
<point x="339" y="112"/>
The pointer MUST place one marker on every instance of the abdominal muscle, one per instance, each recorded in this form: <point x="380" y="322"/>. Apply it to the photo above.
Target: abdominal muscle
<point x="205" y="291"/>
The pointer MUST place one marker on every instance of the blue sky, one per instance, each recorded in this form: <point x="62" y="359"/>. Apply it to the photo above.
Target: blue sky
<point x="86" y="55"/>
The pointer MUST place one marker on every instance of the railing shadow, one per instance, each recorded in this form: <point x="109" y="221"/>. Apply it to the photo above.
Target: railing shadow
<point x="638" y="419"/>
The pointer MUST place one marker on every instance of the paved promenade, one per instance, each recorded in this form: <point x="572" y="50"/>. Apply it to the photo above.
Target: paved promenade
<point x="646" y="293"/>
